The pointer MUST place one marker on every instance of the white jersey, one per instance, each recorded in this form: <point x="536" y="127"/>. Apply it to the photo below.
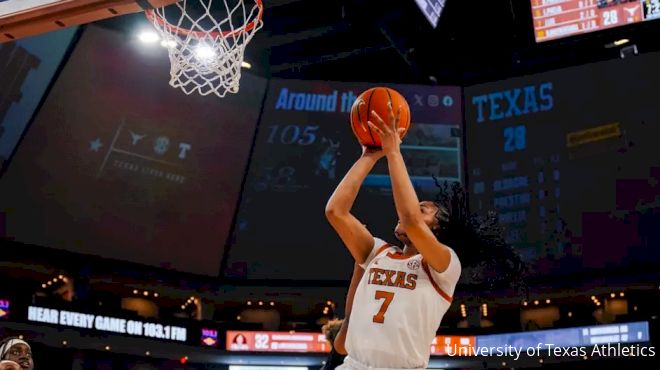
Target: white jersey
<point x="397" y="308"/>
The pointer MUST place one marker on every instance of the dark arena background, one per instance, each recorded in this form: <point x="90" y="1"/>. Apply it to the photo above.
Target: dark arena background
<point x="143" y="228"/>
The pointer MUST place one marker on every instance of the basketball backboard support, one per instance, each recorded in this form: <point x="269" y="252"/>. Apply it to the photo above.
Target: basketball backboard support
<point x="23" y="18"/>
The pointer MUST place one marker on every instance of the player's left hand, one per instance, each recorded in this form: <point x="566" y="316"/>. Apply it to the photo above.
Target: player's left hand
<point x="389" y="132"/>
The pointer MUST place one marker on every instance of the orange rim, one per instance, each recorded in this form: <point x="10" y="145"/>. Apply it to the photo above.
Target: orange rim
<point x="151" y="15"/>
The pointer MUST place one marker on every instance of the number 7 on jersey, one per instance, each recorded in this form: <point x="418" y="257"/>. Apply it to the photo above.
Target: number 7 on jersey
<point x="388" y="297"/>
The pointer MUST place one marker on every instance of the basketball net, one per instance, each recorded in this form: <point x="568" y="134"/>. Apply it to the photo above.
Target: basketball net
<point x="206" y="49"/>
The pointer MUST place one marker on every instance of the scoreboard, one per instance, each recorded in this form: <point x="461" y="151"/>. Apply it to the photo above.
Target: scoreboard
<point x="453" y="345"/>
<point x="272" y="341"/>
<point x="554" y="19"/>
<point x="567" y="160"/>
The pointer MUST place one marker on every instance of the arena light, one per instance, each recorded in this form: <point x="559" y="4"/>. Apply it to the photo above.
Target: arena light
<point x="168" y="43"/>
<point x="246" y="65"/>
<point x="621" y="42"/>
<point x="536" y="302"/>
<point x="249" y="303"/>
<point x="148" y="37"/>
<point x="107" y="348"/>
<point x="570" y="314"/>
<point x="147" y="353"/>
<point x="547" y="301"/>
<point x="621" y="294"/>
<point x="238" y="317"/>
<point x="272" y="303"/>
<point x="612" y="295"/>
<point x="205" y="53"/>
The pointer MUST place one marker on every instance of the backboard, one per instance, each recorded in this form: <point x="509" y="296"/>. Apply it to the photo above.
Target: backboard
<point x="23" y="18"/>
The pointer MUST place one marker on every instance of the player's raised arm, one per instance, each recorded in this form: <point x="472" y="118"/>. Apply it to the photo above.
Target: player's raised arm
<point x="407" y="204"/>
<point x="352" y="232"/>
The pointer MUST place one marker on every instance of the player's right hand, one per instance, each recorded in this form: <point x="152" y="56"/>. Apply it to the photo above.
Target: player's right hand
<point x="370" y="152"/>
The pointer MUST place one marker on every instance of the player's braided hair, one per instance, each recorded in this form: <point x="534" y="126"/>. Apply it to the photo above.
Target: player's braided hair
<point x="489" y="262"/>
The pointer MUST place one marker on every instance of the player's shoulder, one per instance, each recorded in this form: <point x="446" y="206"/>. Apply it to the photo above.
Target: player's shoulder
<point x="454" y="264"/>
<point x="454" y="257"/>
<point x="381" y="246"/>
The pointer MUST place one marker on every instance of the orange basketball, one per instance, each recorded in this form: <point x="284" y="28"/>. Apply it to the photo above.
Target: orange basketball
<point x="377" y="99"/>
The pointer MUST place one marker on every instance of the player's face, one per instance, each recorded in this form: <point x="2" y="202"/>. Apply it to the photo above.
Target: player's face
<point x="429" y="210"/>
<point x="22" y="355"/>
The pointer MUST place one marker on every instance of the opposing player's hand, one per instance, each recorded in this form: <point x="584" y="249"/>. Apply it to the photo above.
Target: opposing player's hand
<point x="389" y="132"/>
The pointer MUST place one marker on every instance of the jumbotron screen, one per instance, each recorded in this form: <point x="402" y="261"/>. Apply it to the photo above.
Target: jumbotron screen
<point x="554" y="19"/>
<point x="569" y="161"/>
<point x="304" y="147"/>
<point x="118" y="164"/>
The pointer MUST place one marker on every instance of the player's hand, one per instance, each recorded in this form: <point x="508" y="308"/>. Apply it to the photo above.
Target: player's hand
<point x="389" y="132"/>
<point x="9" y="365"/>
<point x="370" y="152"/>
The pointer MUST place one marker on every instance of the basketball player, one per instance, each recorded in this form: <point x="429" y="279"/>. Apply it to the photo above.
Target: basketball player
<point x="403" y="295"/>
<point x="18" y="351"/>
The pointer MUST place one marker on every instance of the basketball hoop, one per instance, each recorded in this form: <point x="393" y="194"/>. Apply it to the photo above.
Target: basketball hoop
<point x="206" y="42"/>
